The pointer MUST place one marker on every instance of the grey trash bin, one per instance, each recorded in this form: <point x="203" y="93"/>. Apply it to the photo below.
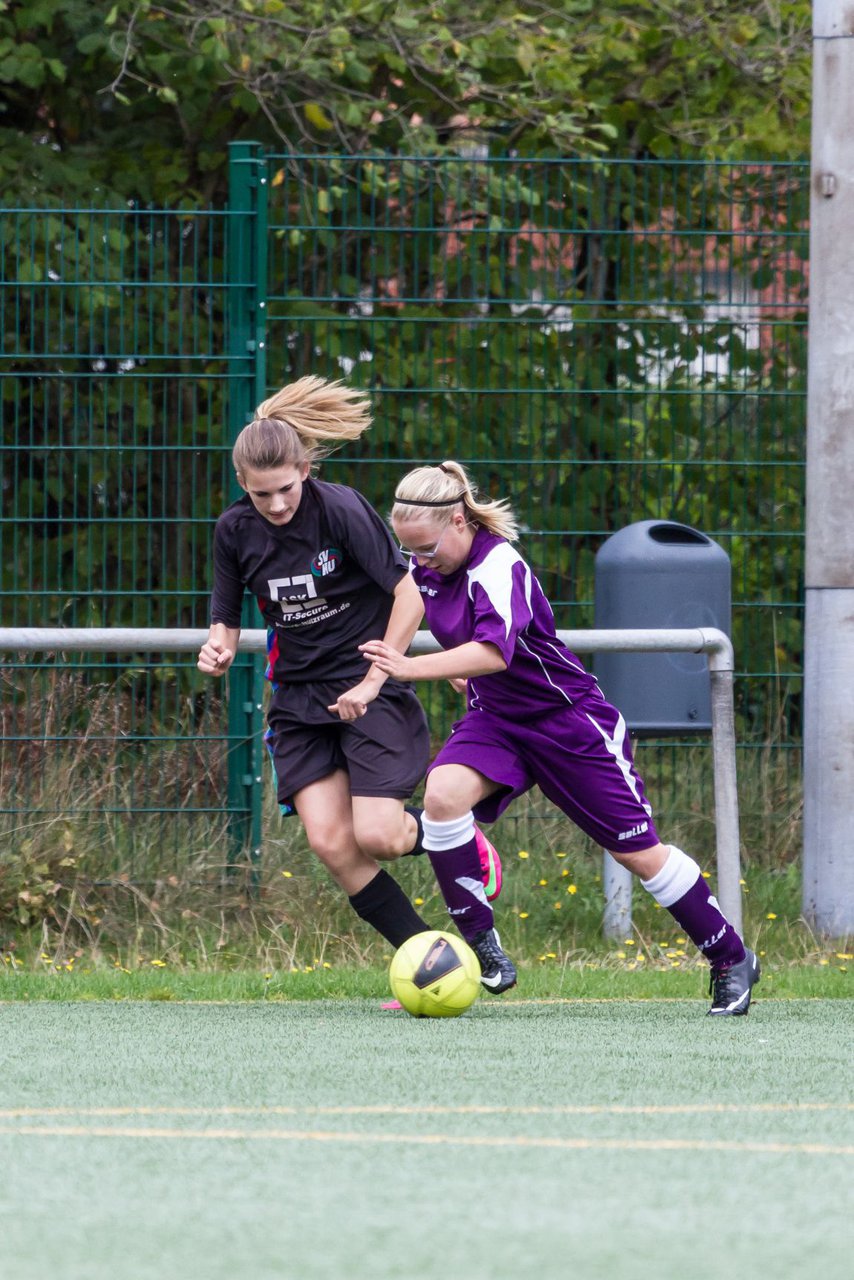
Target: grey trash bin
<point x="657" y="573"/>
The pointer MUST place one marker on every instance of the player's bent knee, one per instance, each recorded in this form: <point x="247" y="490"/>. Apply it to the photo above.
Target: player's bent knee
<point x="452" y="790"/>
<point x="644" y="863"/>
<point x="333" y="846"/>
<point x="443" y="804"/>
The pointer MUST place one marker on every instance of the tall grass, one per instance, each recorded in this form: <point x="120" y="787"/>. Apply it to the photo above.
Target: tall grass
<point x="117" y="852"/>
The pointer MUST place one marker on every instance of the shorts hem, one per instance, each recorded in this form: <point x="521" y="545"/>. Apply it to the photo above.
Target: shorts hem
<point x="385" y="794"/>
<point x="292" y="790"/>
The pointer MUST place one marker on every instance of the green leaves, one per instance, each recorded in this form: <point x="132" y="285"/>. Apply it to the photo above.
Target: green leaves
<point x="134" y="98"/>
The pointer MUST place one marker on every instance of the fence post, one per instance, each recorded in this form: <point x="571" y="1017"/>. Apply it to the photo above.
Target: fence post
<point x="246" y="272"/>
<point x="617" y="883"/>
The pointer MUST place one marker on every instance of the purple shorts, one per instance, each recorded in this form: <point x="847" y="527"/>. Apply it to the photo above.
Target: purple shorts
<point x="580" y="757"/>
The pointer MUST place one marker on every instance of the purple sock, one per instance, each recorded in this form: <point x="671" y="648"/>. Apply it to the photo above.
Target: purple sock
<point x="698" y="913"/>
<point x="680" y="888"/>
<point x="461" y="881"/>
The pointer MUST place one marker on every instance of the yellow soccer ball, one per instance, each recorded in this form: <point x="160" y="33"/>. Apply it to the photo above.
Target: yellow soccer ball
<point x="435" y="975"/>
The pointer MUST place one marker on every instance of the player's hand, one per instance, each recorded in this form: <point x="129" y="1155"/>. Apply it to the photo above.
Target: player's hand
<point x="214" y="658"/>
<point x="354" y="702"/>
<point x="390" y="661"/>
<point x="459" y="684"/>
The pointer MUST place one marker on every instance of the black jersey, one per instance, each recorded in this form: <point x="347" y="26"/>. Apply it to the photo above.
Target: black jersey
<point x="324" y="582"/>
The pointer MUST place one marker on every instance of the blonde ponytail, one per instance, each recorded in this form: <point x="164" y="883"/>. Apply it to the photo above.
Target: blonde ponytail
<point x="290" y="427"/>
<point x="438" y="489"/>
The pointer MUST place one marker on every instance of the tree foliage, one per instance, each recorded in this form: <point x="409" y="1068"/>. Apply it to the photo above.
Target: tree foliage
<point x="139" y="98"/>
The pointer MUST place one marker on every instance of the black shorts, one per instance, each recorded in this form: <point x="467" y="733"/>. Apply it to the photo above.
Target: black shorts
<point x="385" y="751"/>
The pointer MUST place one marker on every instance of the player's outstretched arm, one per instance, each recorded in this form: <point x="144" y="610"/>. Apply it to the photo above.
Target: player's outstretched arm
<point x="476" y="658"/>
<point x="219" y="650"/>
<point x="406" y="613"/>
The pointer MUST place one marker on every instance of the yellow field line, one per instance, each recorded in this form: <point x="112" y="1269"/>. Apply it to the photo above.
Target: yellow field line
<point x="435" y="1139"/>
<point x="675" y="1109"/>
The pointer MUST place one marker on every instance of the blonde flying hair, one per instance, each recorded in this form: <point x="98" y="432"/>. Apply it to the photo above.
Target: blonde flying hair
<point x="290" y="427"/>
<point x="437" y="490"/>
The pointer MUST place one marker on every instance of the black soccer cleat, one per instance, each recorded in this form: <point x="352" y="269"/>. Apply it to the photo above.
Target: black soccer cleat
<point x="497" y="971"/>
<point x="730" y="987"/>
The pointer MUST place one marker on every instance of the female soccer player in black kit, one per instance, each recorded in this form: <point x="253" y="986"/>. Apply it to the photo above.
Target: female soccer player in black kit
<point x="347" y="748"/>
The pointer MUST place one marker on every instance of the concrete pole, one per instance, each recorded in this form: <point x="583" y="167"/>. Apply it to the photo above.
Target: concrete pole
<point x="618" y="882"/>
<point x="828" y="894"/>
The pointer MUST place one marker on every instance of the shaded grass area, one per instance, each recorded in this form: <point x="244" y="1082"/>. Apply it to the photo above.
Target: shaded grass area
<point x="324" y="1139"/>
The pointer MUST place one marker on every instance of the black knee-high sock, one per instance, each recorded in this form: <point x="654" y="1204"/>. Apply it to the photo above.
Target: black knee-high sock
<point x="418" y="847"/>
<point x="384" y="905"/>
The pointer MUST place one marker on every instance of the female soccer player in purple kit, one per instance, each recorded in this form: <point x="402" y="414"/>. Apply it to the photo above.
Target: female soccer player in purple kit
<point x="347" y="747"/>
<point x="534" y="715"/>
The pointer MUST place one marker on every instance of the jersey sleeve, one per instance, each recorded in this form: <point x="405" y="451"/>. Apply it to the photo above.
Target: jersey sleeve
<point x="366" y="538"/>
<point x="229" y="587"/>
<point x="500" y="591"/>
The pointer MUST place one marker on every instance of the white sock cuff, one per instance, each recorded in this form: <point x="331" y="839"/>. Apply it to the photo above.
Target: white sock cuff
<point x="447" y="835"/>
<point x="674" y="879"/>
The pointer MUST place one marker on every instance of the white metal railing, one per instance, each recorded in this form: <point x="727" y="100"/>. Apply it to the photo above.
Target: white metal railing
<point x="709" y="640"/>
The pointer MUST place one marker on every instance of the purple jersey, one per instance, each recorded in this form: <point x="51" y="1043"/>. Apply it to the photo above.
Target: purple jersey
<point x="324" y="582"/>
<point x="495" y="598"/>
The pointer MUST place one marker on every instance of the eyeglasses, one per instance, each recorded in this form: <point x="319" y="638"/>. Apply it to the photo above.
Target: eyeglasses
<point x="424" y="555"/>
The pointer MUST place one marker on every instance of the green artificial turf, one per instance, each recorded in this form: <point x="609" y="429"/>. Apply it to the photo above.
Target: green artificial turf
<point x="331" y="1138"/>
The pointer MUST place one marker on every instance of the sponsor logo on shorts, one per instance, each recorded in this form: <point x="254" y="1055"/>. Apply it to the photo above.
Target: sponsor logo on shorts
<point x="634" y="831"/>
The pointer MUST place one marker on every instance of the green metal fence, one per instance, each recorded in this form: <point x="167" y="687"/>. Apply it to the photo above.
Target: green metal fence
<point x="600" y="341"/>
<point x="603" y="342"/>
<point x="125" y="362"/>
